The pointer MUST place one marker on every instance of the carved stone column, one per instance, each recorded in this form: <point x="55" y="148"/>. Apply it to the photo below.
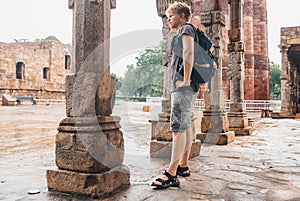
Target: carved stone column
<point x="161" y="146"/>
<point x="261" y="58"/>
<point x="249" y="50"/>
<point x="89" y="145"/>
<point x="238" y="121"/>
<point x="214" y="125"/>
<point x="286" y="107"/>
<point x="297" y="93"/>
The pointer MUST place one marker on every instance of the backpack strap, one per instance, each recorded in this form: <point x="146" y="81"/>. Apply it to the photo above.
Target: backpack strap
<point x="195" y="30"/>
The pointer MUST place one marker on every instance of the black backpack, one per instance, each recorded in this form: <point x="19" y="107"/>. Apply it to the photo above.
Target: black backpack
<point x="204" y="67"/>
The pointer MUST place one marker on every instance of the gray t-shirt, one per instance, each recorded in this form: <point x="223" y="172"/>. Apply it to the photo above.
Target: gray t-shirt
<point x="176" y="51"/>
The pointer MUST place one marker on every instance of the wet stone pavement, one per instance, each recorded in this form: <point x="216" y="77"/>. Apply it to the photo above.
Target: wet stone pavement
<point x="263" y="166"/>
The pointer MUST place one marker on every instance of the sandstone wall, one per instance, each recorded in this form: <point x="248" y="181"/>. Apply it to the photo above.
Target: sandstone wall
<point x="288" y="34"/>
<point x="35" y="56"/>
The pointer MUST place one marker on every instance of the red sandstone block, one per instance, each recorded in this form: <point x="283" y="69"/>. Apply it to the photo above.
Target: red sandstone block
<point x="235" y="35"/>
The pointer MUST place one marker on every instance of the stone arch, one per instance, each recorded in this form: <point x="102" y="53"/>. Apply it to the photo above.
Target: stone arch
<point x="67" y="61"/>
<point x="20" y="70"/>
<point x="46" y="73"/>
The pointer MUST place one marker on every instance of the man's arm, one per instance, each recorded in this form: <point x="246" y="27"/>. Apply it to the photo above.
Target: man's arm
<point x="188" y="60"/>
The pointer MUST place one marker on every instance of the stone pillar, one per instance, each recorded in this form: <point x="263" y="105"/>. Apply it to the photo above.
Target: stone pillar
<point x="225" y="70"/>
<point x="161" y="146"/>
<point x="89" y="144"/>
<point x="249" y="50"/>
<point x="237" y="116"/>
<point x="296" y="94"/>
<point x="261" y="58"/>
<point x="214" y="125"/>
<point x="286" y="107"/>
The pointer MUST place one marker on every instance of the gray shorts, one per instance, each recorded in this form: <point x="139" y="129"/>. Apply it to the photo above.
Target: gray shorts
<point x="182" y="107"/>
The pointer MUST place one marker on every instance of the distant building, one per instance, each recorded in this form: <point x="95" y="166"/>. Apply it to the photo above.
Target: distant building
<point x="36" y="69"/>
<point x="290" y="71"/>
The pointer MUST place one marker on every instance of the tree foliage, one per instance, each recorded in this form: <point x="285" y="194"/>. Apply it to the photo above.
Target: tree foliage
<point x="146" y="77"/>
<point x="275" y="83"/>
<point x="119" y="81"/>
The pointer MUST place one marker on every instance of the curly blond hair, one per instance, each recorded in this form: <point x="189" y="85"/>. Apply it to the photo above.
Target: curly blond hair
<point x="180" y="7"/>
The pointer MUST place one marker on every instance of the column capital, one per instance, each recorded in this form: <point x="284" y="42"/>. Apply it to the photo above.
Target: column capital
<point x="284" y="47"/>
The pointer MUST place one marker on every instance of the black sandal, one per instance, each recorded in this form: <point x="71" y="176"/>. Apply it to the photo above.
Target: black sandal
<point x="182" y="171"/>
<point x="171" y="182"/>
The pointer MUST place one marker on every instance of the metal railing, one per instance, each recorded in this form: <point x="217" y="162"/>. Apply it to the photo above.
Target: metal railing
<point x="257" y="104"/>
<point x="50" y="101"/>
<point x="249" y="104"/>
<point x="153" y="99"/>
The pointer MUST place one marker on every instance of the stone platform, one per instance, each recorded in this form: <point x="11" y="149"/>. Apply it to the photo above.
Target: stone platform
<point x="89" y="184"/>
<point x="216" y="138"/>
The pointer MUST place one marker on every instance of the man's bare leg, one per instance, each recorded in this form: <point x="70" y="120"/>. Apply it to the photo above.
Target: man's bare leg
<point x="178" y="149"/>
<point x="189" y="140"/>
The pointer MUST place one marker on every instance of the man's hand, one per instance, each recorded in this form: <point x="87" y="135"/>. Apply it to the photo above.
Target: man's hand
<point x="180" y="83"/>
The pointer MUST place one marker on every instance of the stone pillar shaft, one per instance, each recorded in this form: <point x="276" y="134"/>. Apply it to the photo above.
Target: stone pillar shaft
<point x="88" y="12"/>
<point x="236" y="10"/>
<point x="236" y="57"/>
<point x="249" y="49"/>
<point x="286" y="109"/>
<point x="238" y="121"/>
<point x="90" y="90"/>
<point x="215" y="26"/>
<point x="262" y="72"/>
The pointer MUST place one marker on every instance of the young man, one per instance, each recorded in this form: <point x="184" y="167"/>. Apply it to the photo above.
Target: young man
<point x="183" y="95"/>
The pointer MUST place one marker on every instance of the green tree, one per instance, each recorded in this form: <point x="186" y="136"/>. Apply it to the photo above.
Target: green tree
<point x="129" y="82"/>
<point x="119" y="81"/>
<point x="275" y="83"/>
<point x="146" y="77"/>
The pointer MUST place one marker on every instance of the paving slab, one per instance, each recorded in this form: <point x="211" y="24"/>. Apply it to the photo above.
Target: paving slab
<point x="264" y="166"/>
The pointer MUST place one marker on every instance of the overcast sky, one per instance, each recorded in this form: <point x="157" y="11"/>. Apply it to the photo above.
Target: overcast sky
<point x="36" y="19"/>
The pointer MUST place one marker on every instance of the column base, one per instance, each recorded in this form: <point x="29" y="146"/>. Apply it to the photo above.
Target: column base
<point x="238" y="122"/>
<point x="163" y="149"/>
<point x="242" y="131"/>
<point x="94" y="185"/>
<point x="281" y="115"/>
<point x="89" y="144"/>
<point x="216" y="138"/>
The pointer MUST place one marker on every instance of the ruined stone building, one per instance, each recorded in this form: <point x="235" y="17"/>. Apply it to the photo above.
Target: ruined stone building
<point x="36" y="69"/>
<point x="290" y="79"/>
<point x="257" y="73"/>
